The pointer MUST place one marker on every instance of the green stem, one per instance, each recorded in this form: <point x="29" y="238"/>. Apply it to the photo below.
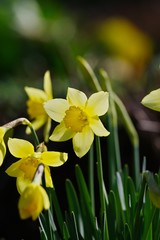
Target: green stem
<point x="34" y="134"/>
<point x="91" y="177"/>
<point x="101" y="186"/>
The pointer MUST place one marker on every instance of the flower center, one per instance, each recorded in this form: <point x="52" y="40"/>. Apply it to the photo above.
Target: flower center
<point x="29" y="167"/>
<point x="75" y="118"/>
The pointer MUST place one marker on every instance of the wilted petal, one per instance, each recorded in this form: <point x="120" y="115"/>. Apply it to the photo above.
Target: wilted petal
<point x="48" y="85"/>
<point x="20" y="148"/>
<point x="54" y="159"/>
<point x="98" y="128"/>
<point x="82" y="142"/>
<point x="76" y="97"/>
<point x="56" y="108"/>
<point x="152" y="100"/>
<point x="98" y="103"/>
<point x="61" y="133"/>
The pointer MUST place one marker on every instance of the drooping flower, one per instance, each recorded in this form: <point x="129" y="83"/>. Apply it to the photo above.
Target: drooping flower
<point x="34" y="197"/>
<point x="2" y="144"/>
<point x="25" y="168"/>
<point x="32" y="201"/>
<point x="35" y="107"/>
<point x="78" y="118"/>
<point x="152" y="100"/>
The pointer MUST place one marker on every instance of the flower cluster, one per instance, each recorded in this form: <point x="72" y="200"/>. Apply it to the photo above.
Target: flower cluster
<point x="78" y="118"/>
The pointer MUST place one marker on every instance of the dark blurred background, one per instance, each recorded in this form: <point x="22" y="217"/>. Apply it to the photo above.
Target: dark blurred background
<point x="123" y="37"/>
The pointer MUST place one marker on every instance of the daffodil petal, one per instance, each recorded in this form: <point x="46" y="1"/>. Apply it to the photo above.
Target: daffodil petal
<point x="2" y="152"/>
<point x="13" y="170"/>
<point x="48" y="85"/>
<point x="61" y="133"/>
<point x="56" y="108"/>
<point x="34" y="93"/>
<point x="82" y="142"/>
<point x="48" y="178"/>
<point x="47" y="128"/>
<point x="98" y="128"/>
<point x="31" y="202"/>
<point x="76" y="97"/>
<point x="22" y="183"/>
<point x="20" y="148"/>
<point x="98" y="103"/>
<point x="152" y="100"/>
<point x="54" y="159"/>
<point x="46" y="203"/>
<point x="2" y="132"/>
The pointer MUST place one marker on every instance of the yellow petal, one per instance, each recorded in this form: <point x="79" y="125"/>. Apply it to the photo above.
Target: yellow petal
<point x="48" y="178"/>
<point x="98" y="128"/>
<point x="76" y="97"/>
<point x="54" y="159"/>
<point x="2" y="152"/>
<point x="32" y="201"/>
<point x="61" y="133"/>
<point x="82" y="142"/>
<point x="2" y="132"/>
<point x="46" y="202"/>
<point x="47" y="129"/>
<point x="20" y="148"/>
<point x="14" y="170"/>
<point x="22" y="183"/>
<point x="34" y="93"/>
<point x="98" y="103"/>
<point x="48" y="85"/>
<point x="56" y="108"/>
<point x="152" y="100"/>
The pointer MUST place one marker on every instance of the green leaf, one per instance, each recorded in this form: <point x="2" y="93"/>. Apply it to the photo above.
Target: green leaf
<point x="88" y="74"/>
<point x="127" y="232"/>
<point x="66" y="235"/>
<point x="74" y="205"/>
<point x="112" y="215"/>
<point x="90" y="225"/>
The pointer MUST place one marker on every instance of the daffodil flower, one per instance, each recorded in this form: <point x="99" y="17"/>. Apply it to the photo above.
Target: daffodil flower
<point x="32" y="201"/>
<point x="35" y="107"/>
<point x="78" y="118"/>
<point x="152" y="100"/>
<point x="2" y="144"/>
<point x="25" y="168"/>
<point x="34" y="197"/>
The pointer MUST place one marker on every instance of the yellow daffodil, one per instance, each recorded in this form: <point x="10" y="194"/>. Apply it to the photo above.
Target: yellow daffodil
<point x="2" y="144"/>
<point x="25" y="168"/>
<point x="152" y="100"/>
<point x="78" y="118"/>
<point x="34" y="197"/>
<point x="32" y="201"/>
<point x="35" y="107"/>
